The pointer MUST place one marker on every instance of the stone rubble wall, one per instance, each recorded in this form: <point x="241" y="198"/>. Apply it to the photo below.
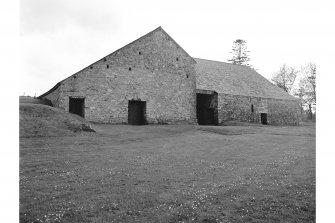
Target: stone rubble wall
<point x="238" y="108"/>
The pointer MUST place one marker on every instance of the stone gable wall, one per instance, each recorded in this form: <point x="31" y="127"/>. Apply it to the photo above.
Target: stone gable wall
<point x="238" y="108"/>
<point x="152" y="69"/>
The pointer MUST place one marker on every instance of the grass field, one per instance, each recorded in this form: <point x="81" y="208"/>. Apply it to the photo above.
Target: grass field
<point x="170" y="174"/>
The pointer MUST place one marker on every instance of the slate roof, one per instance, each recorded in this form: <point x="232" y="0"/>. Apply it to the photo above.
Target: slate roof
<point x="235" y="79"/>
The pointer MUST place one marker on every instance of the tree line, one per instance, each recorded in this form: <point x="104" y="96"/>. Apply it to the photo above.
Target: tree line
<point x="300" y="83"/>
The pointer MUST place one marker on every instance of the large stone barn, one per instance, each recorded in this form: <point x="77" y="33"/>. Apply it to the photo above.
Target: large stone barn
<point x="238" y="93"/>
<point x="153" y="80"/>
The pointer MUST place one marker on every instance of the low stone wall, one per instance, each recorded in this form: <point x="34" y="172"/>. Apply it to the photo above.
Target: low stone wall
<point x="239" y="108"/>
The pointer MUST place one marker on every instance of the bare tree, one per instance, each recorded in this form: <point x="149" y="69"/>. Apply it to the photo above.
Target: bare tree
<point x="307" y="87"/>
<point x="301" y="93"/>
<point x="285" y="77"/>
<point x="240" y="53"/>
<point x="309" y="71"/>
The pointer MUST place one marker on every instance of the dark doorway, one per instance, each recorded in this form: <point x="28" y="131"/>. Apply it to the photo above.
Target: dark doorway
<point x="264" y="118"/>
<point x="76" y="106"/>
<point x="206" y="109"/>
<point x="136" y="112"/>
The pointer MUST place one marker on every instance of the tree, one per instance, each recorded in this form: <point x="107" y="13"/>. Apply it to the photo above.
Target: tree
<point x="300" y="92"/>
<point x="285" y="77"/>
<point x="309" y="72"/>
<point x="307" y="87"/>
<point x="240" y="53"/>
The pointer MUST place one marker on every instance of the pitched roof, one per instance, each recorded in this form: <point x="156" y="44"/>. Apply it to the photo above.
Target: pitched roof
<point x="235" y="79"/>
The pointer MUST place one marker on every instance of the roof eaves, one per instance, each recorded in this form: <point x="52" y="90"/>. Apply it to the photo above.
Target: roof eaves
<point x="216" y="61"/>
<point x="257" y="96"/>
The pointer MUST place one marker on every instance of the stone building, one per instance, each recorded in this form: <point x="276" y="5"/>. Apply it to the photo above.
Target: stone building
<point x="239" y="93"/>
<point x="153" y="80"/>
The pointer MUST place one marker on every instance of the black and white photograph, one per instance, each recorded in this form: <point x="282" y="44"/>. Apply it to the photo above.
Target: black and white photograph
<point x="169" y="111"/>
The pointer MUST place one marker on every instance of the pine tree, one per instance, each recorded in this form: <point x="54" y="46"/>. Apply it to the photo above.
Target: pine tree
<point x="240" y="53"/>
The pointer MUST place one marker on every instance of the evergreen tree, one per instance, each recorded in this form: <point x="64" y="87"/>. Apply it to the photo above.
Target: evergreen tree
<point x="240" y="53"/>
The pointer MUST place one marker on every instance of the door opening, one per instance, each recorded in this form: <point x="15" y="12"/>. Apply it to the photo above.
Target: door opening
<point x="264" y="118"/>
<point x="136" y="112"/>
<point x="206" y="109"/>
<point x="77" y="106"/>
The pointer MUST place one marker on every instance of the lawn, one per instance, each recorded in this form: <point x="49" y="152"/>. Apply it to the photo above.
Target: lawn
<point x="167" y="173"/>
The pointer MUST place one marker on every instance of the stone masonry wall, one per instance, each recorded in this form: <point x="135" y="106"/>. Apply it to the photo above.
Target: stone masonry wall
<point x="152" y="69"/>
<point x="238" y="108"/>
<point x="284" y="112"/>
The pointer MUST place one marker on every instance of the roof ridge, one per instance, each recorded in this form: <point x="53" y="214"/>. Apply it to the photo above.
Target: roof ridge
<point x="223" y="62"/>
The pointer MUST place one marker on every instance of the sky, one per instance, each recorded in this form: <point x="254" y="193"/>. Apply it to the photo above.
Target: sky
<point x="60" y="37"/>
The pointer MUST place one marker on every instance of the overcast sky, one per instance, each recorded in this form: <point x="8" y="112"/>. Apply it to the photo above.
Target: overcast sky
<point x="60" y="37"/>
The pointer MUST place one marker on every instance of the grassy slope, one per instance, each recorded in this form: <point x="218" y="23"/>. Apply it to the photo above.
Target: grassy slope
<point x="170" y="174"/>
<point x="38" y="120"/>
